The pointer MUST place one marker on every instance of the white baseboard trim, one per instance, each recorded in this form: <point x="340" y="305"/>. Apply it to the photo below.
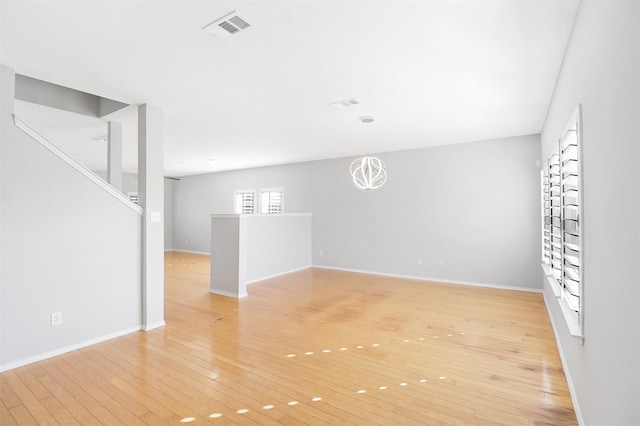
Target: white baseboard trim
<point x="190" y="251"/>
<point x="228" y="294"/>
<point x="565" y="366"/>
<point x="153" y="325"/>
<point x="51" y="354"/>
<point x="278" y="274"/>
<point x="436" y="280"/>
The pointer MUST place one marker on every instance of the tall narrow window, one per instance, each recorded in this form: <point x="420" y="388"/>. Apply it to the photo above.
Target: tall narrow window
<point x="571" y="241"/>
<point x="555" y="222"/>
<point x="545" y="202"/>
<point x="271" y="201"/>
<point x="245" y="202"/>
<point x="562" y="212"/>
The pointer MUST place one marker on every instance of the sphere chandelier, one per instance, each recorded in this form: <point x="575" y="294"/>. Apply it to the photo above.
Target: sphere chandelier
<point x="368" y="172"/>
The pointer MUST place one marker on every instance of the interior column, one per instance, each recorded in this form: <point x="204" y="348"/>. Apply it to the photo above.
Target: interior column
<point x="151" y="198"/>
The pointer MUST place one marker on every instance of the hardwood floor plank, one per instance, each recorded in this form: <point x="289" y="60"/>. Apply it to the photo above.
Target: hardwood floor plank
<point x="90" y="361"/>
<point x="83" y="376"/>
<point x="62" y="415"/>
<point x="143" y="398"/>
<point x="75" y="399"/>
<point x="22" y="416"/>
<point x="7" y="395"/>
<point x="30" y="401"/>
<point x="6" y="419"/>
<point x="315" y="347"/>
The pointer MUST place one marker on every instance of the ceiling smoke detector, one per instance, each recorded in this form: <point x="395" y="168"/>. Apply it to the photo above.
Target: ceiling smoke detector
<point x="228" y="25"/>
<point x="346" y="103"/>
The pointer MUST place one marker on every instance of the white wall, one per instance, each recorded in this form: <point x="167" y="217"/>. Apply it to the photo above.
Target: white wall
<point x="473" y="206"/>
<point x="277" y="244"/>
<point x="129" y="180"/>
<point x="250" y="248"/>
<point x="601" y="71"/>
<point x="130" y="184"/>
<point x="67" y="246"/>
<point x="196" y="197"/>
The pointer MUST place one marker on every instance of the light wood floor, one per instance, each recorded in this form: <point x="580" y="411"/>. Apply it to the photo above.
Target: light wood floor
<point x="313" y="347"/>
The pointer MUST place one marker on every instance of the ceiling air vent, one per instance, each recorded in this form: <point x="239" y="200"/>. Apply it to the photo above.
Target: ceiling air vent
<point x="345" y="103"/>
<point x="227" y="25"/>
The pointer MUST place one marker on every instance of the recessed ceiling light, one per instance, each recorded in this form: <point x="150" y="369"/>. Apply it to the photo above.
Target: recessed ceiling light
<point x="345" y="103"/>
<point x="229" y="24"/>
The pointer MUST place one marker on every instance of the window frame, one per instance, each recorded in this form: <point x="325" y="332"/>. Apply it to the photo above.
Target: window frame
<point x="240" y="210"/>
<point x="134" y="197"/>
<point x="270" y="190"/>
<point x="564" y="283"/>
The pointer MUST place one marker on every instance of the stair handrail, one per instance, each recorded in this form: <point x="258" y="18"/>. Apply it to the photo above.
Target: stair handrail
<point x="81" y="168"/>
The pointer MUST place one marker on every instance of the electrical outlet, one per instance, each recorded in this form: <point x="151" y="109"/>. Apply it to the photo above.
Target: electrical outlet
<point x="321" y="253"/>
<point x="56" y="318"/>
<point x="419" y="261"/>
<point x="437" y="262"/>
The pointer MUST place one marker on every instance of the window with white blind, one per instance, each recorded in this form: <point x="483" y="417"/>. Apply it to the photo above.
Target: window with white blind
<point x="545" y="203"/>
<point x="271" y="201"/>
<point x="133" y="197"/>
<point x="245" y="202"/>
<point x="571" y="217"/>
<point x="562" y="230"/>
<point x="555" y="222"/>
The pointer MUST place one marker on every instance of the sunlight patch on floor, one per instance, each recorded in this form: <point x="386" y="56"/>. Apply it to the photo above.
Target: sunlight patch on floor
<point x="294" y="403"/>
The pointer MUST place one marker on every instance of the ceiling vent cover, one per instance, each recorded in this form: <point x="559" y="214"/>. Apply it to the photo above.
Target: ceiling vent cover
<point x="227" y="25"/>
<point x="345" y="103"/>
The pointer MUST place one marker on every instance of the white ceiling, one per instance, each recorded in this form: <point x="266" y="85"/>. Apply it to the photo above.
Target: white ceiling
<point x="431" y="72"/>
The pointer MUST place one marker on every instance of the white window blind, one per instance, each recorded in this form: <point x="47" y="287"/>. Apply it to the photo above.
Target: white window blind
<point x="545" y="202"/>
<point x="571" y="241"/>
<point x="555" y="221"/>
<point x="133" y="196"/>
<point x="245" y="202"/>
<point x="271" y="201"/>
<point x="562" y="228"/>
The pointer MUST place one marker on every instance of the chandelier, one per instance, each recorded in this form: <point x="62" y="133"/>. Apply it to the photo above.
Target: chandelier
<point x="368" y="172"/>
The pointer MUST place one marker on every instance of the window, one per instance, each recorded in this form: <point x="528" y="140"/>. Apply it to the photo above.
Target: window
<point x="562" y="231"/>
<point x="554" y="227"/>
<point x="271" y="201"/>
<point x="571" y="238"/>
<point x="245" y="202"/>
<point x="545" y="203"/>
